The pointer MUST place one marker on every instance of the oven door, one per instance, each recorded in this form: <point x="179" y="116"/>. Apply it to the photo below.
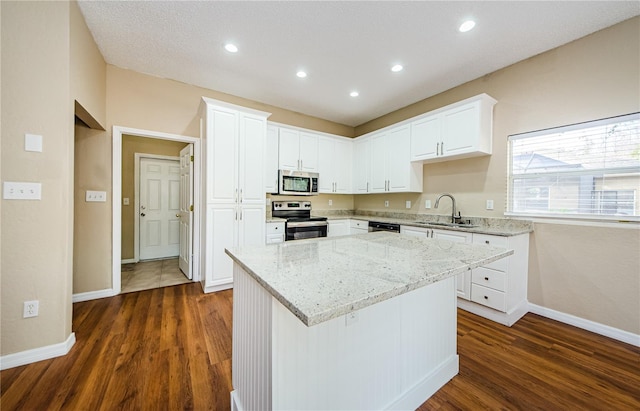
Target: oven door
<point x="303" y="230"/>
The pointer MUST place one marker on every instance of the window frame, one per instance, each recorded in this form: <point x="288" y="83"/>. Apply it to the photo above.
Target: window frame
<point x="574" y="216"/>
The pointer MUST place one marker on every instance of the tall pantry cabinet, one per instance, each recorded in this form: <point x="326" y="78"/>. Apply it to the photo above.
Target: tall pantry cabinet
<point x="233" y="139"/>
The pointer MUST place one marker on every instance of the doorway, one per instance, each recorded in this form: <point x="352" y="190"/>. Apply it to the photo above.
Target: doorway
<point x="194" y="215"/>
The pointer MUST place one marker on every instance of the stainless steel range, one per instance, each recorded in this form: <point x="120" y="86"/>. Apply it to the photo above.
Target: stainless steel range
<point x="300" y="224"/>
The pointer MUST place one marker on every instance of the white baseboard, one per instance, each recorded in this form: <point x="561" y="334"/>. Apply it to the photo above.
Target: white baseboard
<point x="129" y="261"/>
<point x="93" y="295"/>
<point x="416" y="395"/>
<point x="607" y="331"/>
<point x="217" y="286"/>
<point x="37" y="354"/>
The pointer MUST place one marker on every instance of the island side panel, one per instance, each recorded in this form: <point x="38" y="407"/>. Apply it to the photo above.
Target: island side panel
<point x="251" y="345"/>
<point x="391" y="355"/>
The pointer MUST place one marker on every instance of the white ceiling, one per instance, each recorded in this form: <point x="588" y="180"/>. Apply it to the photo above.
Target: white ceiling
<point x="343" y="45"/>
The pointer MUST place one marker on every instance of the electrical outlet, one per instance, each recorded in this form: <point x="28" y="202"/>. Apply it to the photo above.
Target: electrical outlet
<point x="386" y="203"/>
<point x="30" y="309"/>
<point x="489" y="204"/>
<point x="330" y="202"/>
<point x="125" y="201"/>
<point x="427" y="204"/>
<point x="408" y="204"/>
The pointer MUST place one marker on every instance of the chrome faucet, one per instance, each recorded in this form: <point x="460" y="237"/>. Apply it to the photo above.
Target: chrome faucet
<point x="453" y="208"/>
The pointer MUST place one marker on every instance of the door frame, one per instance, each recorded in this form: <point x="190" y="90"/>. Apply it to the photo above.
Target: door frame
<point x="136" y="191"/>
<point x="116" y="214"/>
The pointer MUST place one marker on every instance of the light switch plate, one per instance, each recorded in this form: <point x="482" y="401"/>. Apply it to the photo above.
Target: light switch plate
<point x="386" y="203"/>
<point x="33" y="142"/>
<point x="489" y="204"/>
<point x="96" y="196"/>
<point x="408" y="204"/>
<point x="21" y="191"/>
<point x="125" y="201"/>
<point x="427" y="204"/>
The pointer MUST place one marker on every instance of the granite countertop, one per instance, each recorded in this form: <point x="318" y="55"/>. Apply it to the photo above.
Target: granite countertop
<point x="321" y="279"/>
<point x="271" y="219"/>
<point x="494" y="226"/>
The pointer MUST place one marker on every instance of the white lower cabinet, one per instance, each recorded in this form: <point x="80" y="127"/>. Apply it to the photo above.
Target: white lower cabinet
<point x="337" y="228"/>
<point x="230" y="226"/>
<point x="275" y="232"/>
<point x="499" y="289"/>
<point x="358" y="226"/>
<point x="463" y="282"/>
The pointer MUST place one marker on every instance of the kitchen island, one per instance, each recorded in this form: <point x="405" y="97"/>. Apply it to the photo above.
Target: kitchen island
<point x="358" y="322"/>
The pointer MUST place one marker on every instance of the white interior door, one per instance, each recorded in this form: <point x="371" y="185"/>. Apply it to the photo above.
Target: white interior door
<point x="159" y="208"/>
<point x="186" y="211"/>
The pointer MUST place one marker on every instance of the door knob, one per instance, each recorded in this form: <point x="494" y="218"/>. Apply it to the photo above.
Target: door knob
<point x="178" y="215"/>
<point x="142" y="215"/>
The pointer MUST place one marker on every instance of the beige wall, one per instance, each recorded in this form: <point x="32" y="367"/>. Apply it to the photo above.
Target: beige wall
<point x="88" y="75"/>
<point x="92" y="238"/>
<point x="88" y="71"/>
<point x="592" y="273"/>
<point x="152" y="103"/>
<point x="321" y="201"/>
<point x="130" y="146"/>
<point x="37" y="236"/>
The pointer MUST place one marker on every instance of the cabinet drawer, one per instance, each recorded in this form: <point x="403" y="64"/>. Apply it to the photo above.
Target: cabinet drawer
<point x="489" y="278"/>
<point x="359" y="224"/>
<point x="496" y="241"/>
<point x="275" y="238"/>
<point x="488" y="297"/>
<point x="275" y="228"/>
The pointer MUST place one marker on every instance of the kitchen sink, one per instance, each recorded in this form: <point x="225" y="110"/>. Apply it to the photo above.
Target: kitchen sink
<point x="462" y="225"/>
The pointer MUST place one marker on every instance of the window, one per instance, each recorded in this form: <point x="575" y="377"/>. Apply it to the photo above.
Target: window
<point x="587" y="170"/>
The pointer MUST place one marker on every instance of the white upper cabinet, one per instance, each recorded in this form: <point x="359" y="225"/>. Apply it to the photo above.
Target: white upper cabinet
<point x="271" y="160"/>
<point x="361" y="165"/>
<point x="460" y="130"/>
<point x="390" y="167"/>
<point x="297" y="150"/>
<point x="334" y="165"/>
<point x="425" y="137"/>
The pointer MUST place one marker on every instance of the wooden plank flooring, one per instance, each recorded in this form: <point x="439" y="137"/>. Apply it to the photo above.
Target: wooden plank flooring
<point x="170" y="349"/>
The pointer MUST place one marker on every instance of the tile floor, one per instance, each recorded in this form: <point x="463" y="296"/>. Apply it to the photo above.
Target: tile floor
<point x="146" y="275"/>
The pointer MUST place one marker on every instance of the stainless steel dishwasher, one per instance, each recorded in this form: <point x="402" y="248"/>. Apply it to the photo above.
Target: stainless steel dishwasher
<point x="377" y="226"/>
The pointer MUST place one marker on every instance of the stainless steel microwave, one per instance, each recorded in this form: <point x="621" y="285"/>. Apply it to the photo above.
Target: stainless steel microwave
<point x="297" y="183"/>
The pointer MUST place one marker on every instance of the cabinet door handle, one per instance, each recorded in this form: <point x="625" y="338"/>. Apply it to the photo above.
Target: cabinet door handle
<point x="486" y="241"/>
<point x="236" y="195"/>
<point x="437" y="149"/>
<point x="367" y="186"/>
<point x="236" y="215"/>
<point x="442" y="148"/>
<point x="486" y="298"/>
<point x="240" y="195"/>
<point x="240" y="215"/>
<point x="486" y="278"/>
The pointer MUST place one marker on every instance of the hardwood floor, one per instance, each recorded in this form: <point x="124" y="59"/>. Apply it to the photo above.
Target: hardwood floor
<point x="170" y="349"/>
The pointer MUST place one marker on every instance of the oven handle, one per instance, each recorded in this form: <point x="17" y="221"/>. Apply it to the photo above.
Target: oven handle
<point x="307" y="224"/>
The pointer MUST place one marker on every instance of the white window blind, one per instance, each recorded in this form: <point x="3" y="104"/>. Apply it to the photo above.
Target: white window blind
<point x="587" y="170"/>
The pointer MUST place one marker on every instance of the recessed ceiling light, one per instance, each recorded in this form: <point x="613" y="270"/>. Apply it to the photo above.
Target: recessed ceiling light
<point x="354" y="94"/>
<point x="396" y="68"/>
<point x="301" y="74"/>
<point x="231" y="48"/>
<point x="467" y="25"/>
